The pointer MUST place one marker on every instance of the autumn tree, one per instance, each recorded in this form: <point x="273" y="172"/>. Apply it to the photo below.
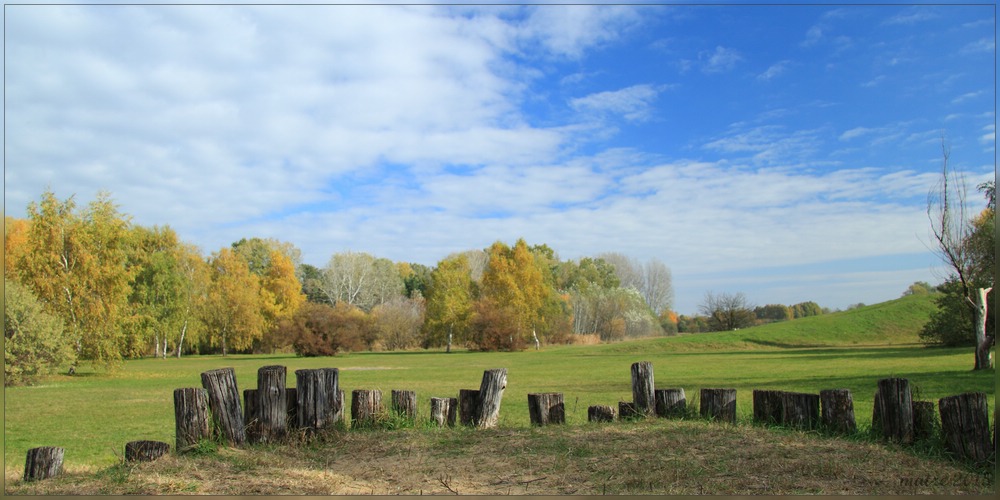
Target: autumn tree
<point x="324" y="330"/>
<point x="35" y="342"/>
<point x="232" y="311"/>
<point x="514" y="287"/>
<point x="197" y="279"/>
<point x="398" y="321"/>
<point x="449" y="302"/>
<point x="361" y="280"/>
<point x="15" y="244"/>
<point x="159" y="288"/>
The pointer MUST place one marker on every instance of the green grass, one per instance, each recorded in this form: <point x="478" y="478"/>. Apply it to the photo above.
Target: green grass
<point x="93" y="414"/>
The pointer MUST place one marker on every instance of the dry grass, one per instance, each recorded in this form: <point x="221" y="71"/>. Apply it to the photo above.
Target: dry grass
<point x="653" y="457"/>
<point x="584" y="339"/>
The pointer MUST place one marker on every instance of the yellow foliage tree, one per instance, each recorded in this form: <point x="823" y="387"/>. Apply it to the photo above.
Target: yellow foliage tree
<point x="232" y="309"/>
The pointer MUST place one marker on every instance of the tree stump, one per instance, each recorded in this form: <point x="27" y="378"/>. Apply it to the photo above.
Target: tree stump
<point x="965" y="425"/>
<point x="271" y="413"/>
<point x="366" y="408"/>
<point x="546" y="408"/>
<point x="315" y="404"/>
<point x="601" y="413"/>
<point x="190" y="417"/>
<point x="670" y="402"/>
<point x="145" y="451"/>
<point x="767" y="407"/>
<point x="292" y="407"/>
<point x="404" y="404"/>
<point x="924" y="420"/>
<point x="719" y="404"/>
<point x="468" y="401"/>
<point x="443" y="411"/>
<point x="643" y="393"/>
<point x="334" y="396"/>
<point x="43" y="463"/>
<point x="627" y="411"/>
<point x="800" y="410"/>
<point x="251" y="422"/>
<point x="838" y="410"/>
<point x="224" y="402"/>
<point x="894" y="407"/>
<point x="490" y="395"/>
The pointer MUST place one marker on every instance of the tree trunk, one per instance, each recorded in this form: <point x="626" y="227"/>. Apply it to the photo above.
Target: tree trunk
<point x="43" y="463"/>
<point x="468" y="401"/>
<point x="924" y="420"/>
<point x="366" y="408"/>
<point x="404" y="404"/>
<point x="800" y="410"/>
<point x="670" y="402"/>
<point x="601" y="413"/>
<point x="767" y="407"/>
<point x="965" y="425"/>
<point x="546" y="408"/>
<point x="838" y="410"/>
<point x="450" y="327"/>
<point x="272" y="406"/>
<point x="145" y="451"/>
<point x="983" y="341"/>
<point x="895" y="409"/>
<point x="224" y="401"/>
<point x="180" y="343"/>
<point x="190" y="417"/>
<point x="443" y="411"/>
<point x="643" y="394"/>
<point x="156" y="346"/>
<point x="490" y="395"/>
<point x="719" y="404"/>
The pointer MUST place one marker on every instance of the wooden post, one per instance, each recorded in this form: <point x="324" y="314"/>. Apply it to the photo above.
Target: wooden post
<point x="924" y="419"/>
<point x="719" y="404"/>
<point x="443" y="411"/>
<point x="190" y="417"/>
<point x="767" y="407"/>
<point x="643" y="395"/>
<point x="43" y="463"/>
<point x="626" y="410"/>
<point x="838" y="410"/>
<point x="145" y="451"/>
<point x="292" y="407"/>
<point x="224" y="401"/>
<point x="965" y="425"/>
<point x="366" y="408"/>
<point x="404" y="404"/>
<point x="251" y="420"/>
<point x="546" y="408"/>
<point x="490" y="395"/>
<point x="895" y="409"/>
<point x="468" y="401"/>
<point x="670" y="402"/>
<point x="800" y="410"/>
<point x="334" y="396"/>
<point x="601" y="413"/>
<point x="272" y="407"/>
<point x="313" y="401"/>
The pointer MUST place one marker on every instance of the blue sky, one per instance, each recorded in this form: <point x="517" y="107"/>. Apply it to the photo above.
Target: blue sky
<point x="781" y="151"/>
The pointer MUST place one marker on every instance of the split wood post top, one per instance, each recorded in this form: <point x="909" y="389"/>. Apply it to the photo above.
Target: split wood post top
<point x="490" y="395"/>
<point x="43" y="462"/>
<point x="643" y="395"/>
<point x="191" y="417"/>
<point x="224" y="401"/>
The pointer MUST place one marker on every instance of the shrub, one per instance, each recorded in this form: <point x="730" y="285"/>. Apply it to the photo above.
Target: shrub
<point x="321" y="330"/>
<point x="35" y="342"/>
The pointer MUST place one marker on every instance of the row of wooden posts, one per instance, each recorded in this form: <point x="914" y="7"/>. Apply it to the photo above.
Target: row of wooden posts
<point x="271" y="411"/>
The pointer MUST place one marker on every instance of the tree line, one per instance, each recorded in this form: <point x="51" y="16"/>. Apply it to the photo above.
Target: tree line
<point x="87" y="284"/>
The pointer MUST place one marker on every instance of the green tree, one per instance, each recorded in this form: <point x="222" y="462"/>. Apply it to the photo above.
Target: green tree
<point x="727" y="311"/>
<point x="774" y="312"/>
<point x="232" y="311"/>
<point x="35" y="342"/>
<point x="512" y="285"/>
<point x="805" y="309"/>
<point x="159" y="288"/>
<point x="449" y="302"/>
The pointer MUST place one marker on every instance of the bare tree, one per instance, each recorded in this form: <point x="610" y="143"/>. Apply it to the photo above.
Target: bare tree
<point x="658" y="288"/>
<point x="952" y="230"/>
<point x="361" y="280"/>
<point x="727" y="311"/>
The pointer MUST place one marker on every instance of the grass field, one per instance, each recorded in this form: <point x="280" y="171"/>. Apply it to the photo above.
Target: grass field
<point x="94" y="414"/>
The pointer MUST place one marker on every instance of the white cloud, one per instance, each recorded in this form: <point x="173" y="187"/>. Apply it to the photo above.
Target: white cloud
<point x="773" y="71"/>
<point x="967" y="96"/>
<point x="633" y="103"/>
<point x="979" y="46"/>
<point x="569" y="31"/>
<point x="856" y="132"/>
<point x="913" y="15"/>
<point x="720" y="60"/>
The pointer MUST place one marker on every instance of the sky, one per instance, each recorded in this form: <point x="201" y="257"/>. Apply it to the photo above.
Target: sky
<point x="781" y="151"/>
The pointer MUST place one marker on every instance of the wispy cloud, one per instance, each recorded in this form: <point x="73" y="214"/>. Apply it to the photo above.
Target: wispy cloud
<point x="967" y="97"/>
<point x="774" y="71"/>
<point x="913" y="15"/>
<point x="720" y="60"/>
<point x="633" y="103"/>
<point x="979" y="46"/>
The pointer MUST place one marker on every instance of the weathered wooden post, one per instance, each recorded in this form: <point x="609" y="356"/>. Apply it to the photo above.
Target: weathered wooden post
<point x="190" y="417"/>
<point x="670" y="402"/>
<point x="366" y="408"/>
<point x="800" y="410"/>
<point x="443" y="411"/>
<point x="965" y="425"/>
<point x="490" y="395"/>
<point x="224" y="401"/>
<point x="838" y="410"/>
<point x="43" y="462"/>
<point x="643" y="394"/>
<point x="404" y="404"/>
<point x="315" y="402"/>
<point x="894" y="407"/>
<point x="546" y="408"/>
<point x="271" y="413"/>
<point x="601" y="413"/>
<point x="767" y="407"/>
<point x="468" y="402"/>
<point x="719" y="404"/>
<point x="924" y="418"/>
<point x="145" y="451"/>
<point x="334" y="396"/>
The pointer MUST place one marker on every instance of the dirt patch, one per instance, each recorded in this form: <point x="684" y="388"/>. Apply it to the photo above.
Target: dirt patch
<point x="662" y="457"/>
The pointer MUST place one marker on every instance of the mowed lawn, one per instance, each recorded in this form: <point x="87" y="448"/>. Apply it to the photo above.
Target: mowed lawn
<point x="93" y="414"/>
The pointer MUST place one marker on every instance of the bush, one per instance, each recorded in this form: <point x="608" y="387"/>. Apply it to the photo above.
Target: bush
<point x="951" y="325"/>
<point x="321" y="330"/>
<point x="35" y="342"/>
<point x="494" y="328"/>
